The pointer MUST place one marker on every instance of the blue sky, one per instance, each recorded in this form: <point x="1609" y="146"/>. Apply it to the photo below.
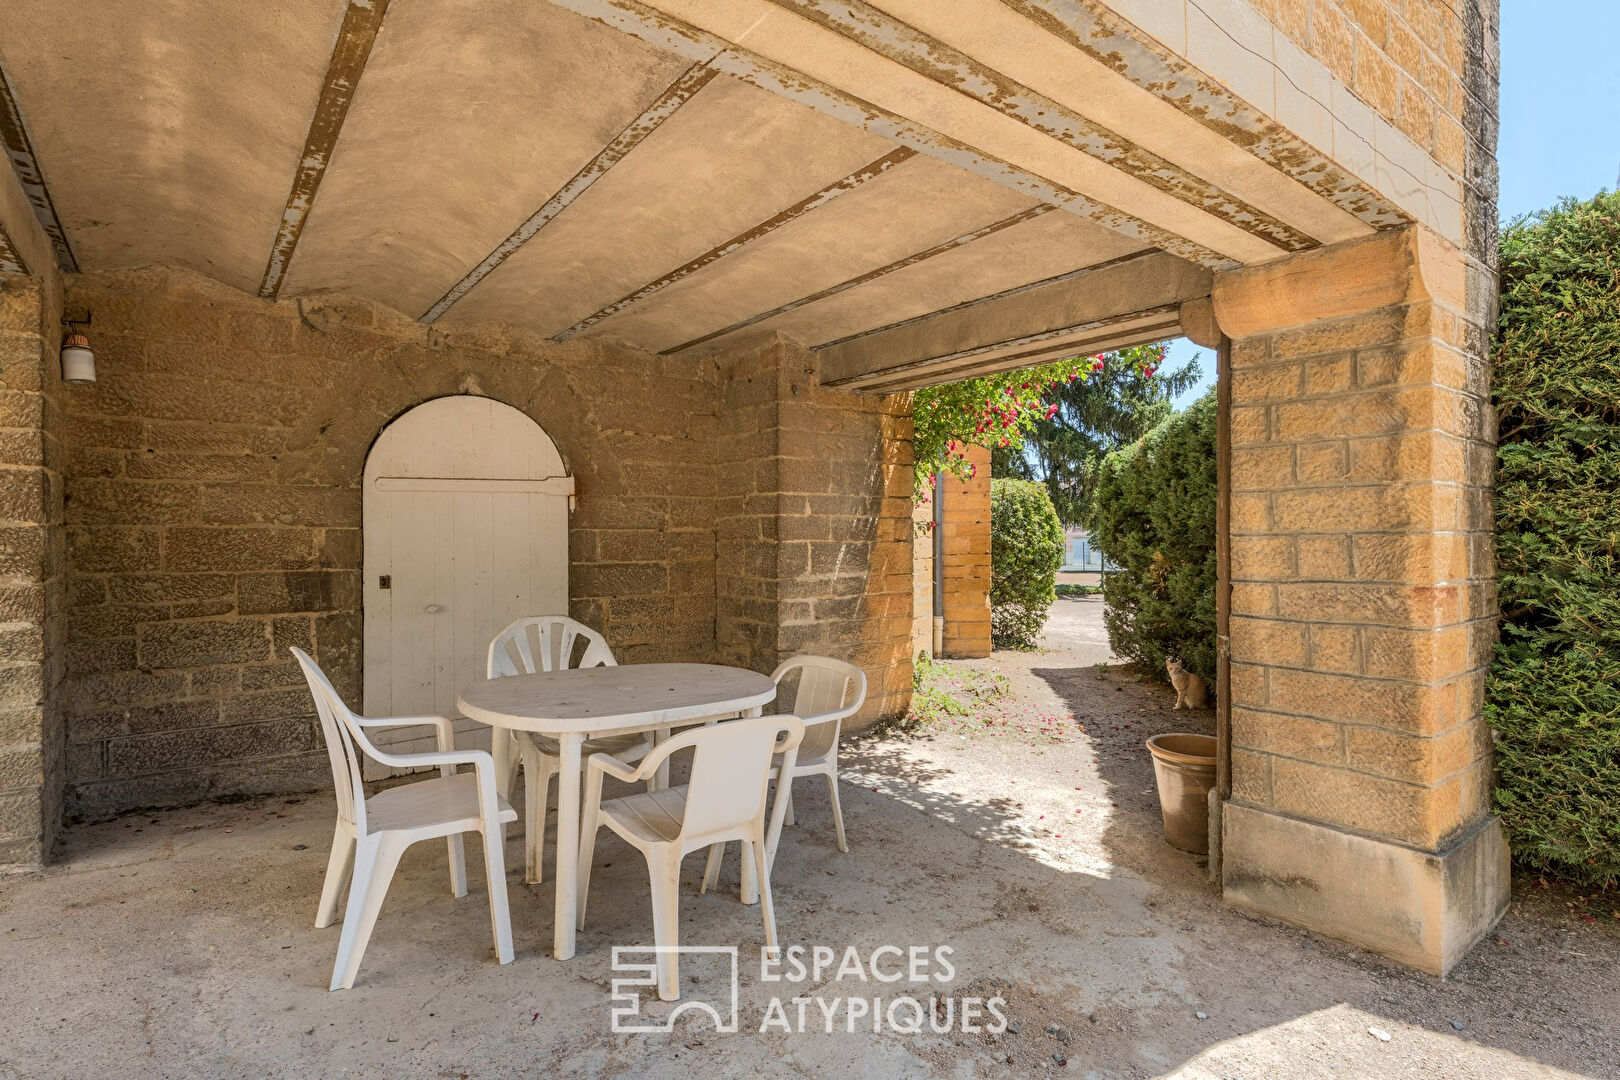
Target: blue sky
<point x="1560" y="113"/>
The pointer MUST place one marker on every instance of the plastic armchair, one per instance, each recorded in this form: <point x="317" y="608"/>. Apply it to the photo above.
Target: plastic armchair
<point x="724" y="800"/>
<point x="829" y="691"/>
<point x="549" y="643"/>
<point x="372" y="834"/>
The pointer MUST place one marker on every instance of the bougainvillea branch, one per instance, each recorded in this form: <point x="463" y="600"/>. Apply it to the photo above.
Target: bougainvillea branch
<point x="993" y="411"/>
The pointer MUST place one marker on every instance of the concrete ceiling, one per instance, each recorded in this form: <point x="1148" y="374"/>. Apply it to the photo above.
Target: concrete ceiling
<point x="919" y="189"/>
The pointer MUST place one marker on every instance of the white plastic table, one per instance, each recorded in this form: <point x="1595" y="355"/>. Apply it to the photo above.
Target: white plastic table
<point x="580" y="703"/>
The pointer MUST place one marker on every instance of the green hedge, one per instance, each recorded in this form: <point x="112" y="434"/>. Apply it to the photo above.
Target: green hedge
<point x="1153" y="515"/>
<point x="1553" y="697"/>
<point x="1026" y="549"/>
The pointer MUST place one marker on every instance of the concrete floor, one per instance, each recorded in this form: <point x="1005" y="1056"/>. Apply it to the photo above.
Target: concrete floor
<point x="179" y="943"/>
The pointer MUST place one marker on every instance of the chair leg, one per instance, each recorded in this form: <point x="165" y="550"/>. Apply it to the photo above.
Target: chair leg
<point x="711" y="869"/>
<point x="665" y="872"/>
<point x="458" y="865"/>
<point x="787" y="793"/>
<point x="838" y="812"/>
<point x="587" y="852"/>
<point x="375" y="859"/>
<point x="538" y="770"/>
<point x="767" y="910"/>
<point x="338" y="867"/>
<point x="495" y="870"/>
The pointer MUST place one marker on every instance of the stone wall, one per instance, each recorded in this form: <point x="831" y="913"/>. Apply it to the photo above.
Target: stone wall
<point x="922" y="577"/>
<point x="1363" y="609"/>
<point x="32" y="570"/>
<point x="213" y="508"/>
<point x="814" y="523"/>
<point x="1428" y="67"/>
<point x="967" y="560"/>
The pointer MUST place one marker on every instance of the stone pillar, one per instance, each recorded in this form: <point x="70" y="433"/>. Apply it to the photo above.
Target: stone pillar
<point x="1362" y="599"/>
<point x="813" y="529"/>
<point x="967" y="560"/>
<point x="32" y="589"/>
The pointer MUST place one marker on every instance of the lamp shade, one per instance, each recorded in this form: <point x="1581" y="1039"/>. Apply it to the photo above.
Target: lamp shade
<point x="78" y="362"/>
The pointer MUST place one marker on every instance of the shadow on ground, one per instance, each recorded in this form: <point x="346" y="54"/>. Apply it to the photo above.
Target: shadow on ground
<point x="180" y="942"/>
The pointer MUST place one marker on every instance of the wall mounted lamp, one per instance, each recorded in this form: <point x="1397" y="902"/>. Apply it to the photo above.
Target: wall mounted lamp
<point x="78" y="362"/>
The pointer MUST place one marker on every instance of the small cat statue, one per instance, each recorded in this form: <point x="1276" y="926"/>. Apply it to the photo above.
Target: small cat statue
<point x="1190" y="689"/>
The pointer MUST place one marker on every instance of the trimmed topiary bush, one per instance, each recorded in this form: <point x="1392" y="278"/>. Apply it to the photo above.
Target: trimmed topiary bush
<point x="1152" y="515"/>
<point x="1553" y="695"/>
<point x="1026" y="549"/>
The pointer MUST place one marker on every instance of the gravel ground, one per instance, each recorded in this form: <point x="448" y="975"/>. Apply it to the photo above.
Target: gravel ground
<point x="1542" y="994"/>
<point x="178" y="943"/>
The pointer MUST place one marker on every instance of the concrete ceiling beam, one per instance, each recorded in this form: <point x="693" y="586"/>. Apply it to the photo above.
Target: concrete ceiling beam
<point x="362" y="19"/>
<point x="20" y="150"/>
<point x="678" y="93"/>
<point x="817" y="67"/>
<point x="955" y="69"/>
<point x="839" y="187"/>
<point x="1016" y="327"/>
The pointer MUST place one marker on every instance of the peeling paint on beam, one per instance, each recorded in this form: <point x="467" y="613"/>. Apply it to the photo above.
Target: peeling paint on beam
<point x="871" y="275"/>
<point x="1170" y="311"/>
<point x="826" y="195"/>
<point x="933" y="59"/>
<point x="358" y="33"/>
<point x="14" y="136"/>
<point x="1117" y="332"/>
<point x="11" y="261"/>
<point x="678" y="93"/>
<point x="1057" y="279"/>
<point x="656" y="28"/>
<point x="1104" y="36"/>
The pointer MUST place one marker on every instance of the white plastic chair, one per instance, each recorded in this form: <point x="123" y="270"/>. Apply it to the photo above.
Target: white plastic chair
<point x="373" y="833"/>
<point x="723" y="800"/>
<point x="549" y="643"/>
<point x="828" y="692"/>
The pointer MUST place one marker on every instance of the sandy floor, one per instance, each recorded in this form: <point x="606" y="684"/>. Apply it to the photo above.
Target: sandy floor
<point x="179" y="943"/>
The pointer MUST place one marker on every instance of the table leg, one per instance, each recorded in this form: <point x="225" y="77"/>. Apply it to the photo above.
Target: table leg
<point x="567" y="876"/>
<point x="661" y="778"/>
<point x="500" y="748"/>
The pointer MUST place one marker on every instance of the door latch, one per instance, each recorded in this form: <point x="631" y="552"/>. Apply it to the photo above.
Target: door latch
<point x="385" y="581"/>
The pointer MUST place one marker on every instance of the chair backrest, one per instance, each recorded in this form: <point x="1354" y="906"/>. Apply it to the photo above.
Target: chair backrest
<point x="546" y="643"/>
<point x="731" y="765"/>
<point x="341" y="734"/>
<point x="828" y="691"/>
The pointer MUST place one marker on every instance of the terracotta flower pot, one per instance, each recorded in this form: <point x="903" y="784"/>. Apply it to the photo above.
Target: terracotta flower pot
<point x="1184" y="766"/>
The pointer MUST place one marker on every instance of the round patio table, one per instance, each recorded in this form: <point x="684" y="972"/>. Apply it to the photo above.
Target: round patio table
<point x="582" y="703"/>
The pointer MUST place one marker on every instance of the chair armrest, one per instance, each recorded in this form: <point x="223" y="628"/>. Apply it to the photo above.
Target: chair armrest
<point x="446" y="734"/>
<point x="614" y="767"/>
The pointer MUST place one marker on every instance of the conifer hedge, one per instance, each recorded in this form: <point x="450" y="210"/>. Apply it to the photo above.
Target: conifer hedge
<point x="1153" y="515"/>
<point x="1026" y="549"/>
<point x="1553" y="696"/>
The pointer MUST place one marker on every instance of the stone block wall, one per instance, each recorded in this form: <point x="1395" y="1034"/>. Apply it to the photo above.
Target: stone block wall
<point x="922" y="577"/>
<point x="814" y="523"/>
<point x="1363" y="610"/>
<point x="32" y="570"/>
<point x="213" y="510"/>
<point x="967" y="560"/>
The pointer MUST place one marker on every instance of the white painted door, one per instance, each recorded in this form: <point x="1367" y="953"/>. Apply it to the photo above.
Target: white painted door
<point x="465" y="529"/>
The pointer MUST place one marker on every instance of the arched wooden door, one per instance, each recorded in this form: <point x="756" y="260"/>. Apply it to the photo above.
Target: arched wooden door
<point x="465" y="529"/>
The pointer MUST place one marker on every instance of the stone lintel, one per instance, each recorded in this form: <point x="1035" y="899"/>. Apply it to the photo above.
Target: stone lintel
<point x="1398" y="266"/>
